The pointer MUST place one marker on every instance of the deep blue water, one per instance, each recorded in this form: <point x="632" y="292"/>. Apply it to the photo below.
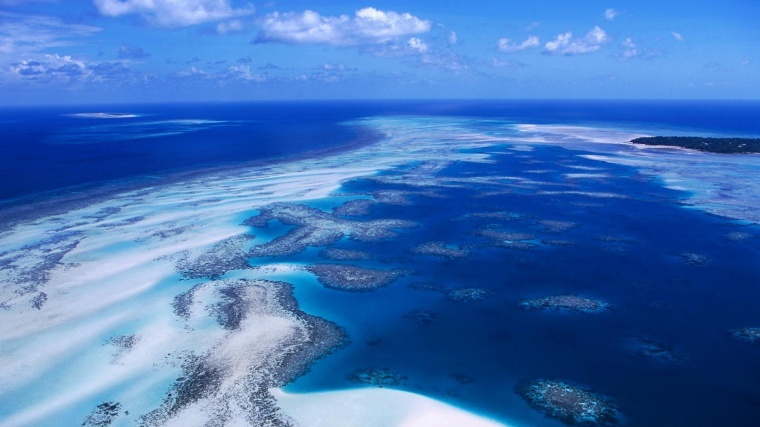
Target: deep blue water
<point x="626" y="251"/>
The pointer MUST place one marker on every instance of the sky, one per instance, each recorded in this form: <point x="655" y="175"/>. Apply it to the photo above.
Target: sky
<point x="127" y="51"/>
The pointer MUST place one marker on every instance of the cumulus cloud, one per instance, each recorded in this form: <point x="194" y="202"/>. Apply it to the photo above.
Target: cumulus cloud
<point x="453" y="38"/>
<point x="630" y="48"/>
<point x="610" y="14"/>
<point x="50" y="69"/>
<point x="243" y="72"/>
<point x="566" y="44"/>
<point x="128" y="51"/>
<point x="64" y="71"/>
<point x="677" y="36"/>
<point x="508" y="46"/>
<point x="367" y="26"/>
<point x="173" y="13"/>
<point x="417" y="45"/>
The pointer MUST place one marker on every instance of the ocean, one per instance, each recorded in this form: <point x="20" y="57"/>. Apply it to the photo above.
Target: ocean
<point x="476" y="248"/>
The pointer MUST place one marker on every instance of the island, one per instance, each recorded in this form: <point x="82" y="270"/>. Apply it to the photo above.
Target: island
<point x="712" y="145"/>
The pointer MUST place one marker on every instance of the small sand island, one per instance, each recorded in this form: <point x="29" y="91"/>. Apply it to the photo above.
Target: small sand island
<point x="712" y="145"/>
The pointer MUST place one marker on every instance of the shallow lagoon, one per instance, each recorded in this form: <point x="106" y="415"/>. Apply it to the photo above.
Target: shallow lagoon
<point x="537" y="211"/>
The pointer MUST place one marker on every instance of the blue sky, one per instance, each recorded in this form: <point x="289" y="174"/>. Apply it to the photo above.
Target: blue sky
<point x="112" y="51"/>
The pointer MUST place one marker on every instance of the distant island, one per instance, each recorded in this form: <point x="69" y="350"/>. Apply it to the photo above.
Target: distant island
<point x="712" y="145"/>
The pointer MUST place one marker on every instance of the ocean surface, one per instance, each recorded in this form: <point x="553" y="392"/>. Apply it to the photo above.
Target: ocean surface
<point x="498" y="204"/>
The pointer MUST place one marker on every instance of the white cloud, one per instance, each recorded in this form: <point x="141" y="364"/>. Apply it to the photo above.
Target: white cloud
<point x="453" y="38"/>
<point x="128" y="51"/>
<point x="610" y="14"/>
<point x="498" y="63"/>
<point x="192" y="72"/>
<point x="24" y="34"/>
<point x="50" y="69"/>
<point x="244" y="72"/>
<point x="630" y="50"/>
<point x="566" y="44"/>
<point x="417" y="45"/>
<point x="507" y="45"/>
<point x="234" y="26"/>
<point x="367" y="26"/>
<point x="172" y="13"/>
<point x="677" y="36"/>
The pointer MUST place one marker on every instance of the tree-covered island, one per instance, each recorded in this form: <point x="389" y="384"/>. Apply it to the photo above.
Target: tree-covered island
<point x="712" y="145"/>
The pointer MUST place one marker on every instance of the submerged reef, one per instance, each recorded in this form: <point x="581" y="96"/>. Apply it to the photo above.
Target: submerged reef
<point x="552" y="226"/>
<point x="749" y="334"/>
<point x="458" y="295"/>
<point x="466" y="294"/>
<point x="737" y="236"/>
<point x="566" y="302"/>
<point x="103" y="415"/>
<point x="377" y="377"/>
<point x="655" y="351"/>
<point x="712" y="145"/>
<point x="335" y="254"/>
<point x="260" y="319"/>
<point x="25" y="270"/>
<point x="316" y="228"/>
<point x="421" y="317"/>
<point x="356" y="207"/>
<point x="353" y="278"/>
<point x="227" y="255"/>
<point x="695" y="260"/>
<point x="568" y="403"/>
<point x="440" y="249"/>
<point x="509" y="240"/>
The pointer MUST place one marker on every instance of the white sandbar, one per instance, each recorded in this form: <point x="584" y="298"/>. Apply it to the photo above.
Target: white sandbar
<point x="374" y="407"/>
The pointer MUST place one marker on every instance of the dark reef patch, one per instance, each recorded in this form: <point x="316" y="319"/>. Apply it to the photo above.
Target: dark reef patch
<point x="568" y="403"/>
<point x="103" y="415"/>
<point x="748" y="334"/>
<point x="376" y="377"/>
<point x="440" y="249"/>
<point x="358" y="207"/>
<point x="353" y="278"/>
<point x="227" y="255"/>
<point x="335" y="254"/>
<point x="315" y="228"/>
<point x="566" y="303"/>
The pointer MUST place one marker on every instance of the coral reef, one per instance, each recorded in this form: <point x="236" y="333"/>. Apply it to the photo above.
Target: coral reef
<point x="568" y="403"/>
<point x="566" y="302"/>
<point x="377" y="377"/>
<point x="353" y="278"/>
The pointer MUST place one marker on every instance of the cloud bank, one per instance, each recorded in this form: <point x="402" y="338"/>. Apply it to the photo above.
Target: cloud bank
<point x="367" y="26"/>
<point x="566" y="44"/>
<point x="172" y="13"/>
<point x="508" y="46"/>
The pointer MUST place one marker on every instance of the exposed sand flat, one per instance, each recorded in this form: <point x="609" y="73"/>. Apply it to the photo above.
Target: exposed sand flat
<point x="374" y="407"/>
